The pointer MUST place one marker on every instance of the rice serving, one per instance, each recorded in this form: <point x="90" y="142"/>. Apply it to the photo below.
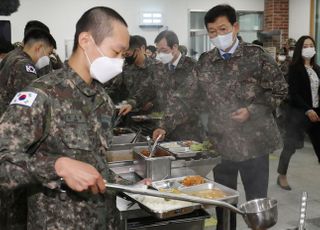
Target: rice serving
<point x="158" y="204"/>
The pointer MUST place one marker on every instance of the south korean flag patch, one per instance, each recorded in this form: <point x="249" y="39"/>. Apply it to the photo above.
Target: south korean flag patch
<point x="31" y="69"/>
<point x="24" y="98"/>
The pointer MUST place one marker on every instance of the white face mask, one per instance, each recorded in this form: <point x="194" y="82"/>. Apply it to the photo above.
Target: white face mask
<point x="42" y="62"/>
<point x="222" y="42"/>
<point x="281" y="58"/>
<point x="290" y="53"/>
<point x="103" y="68"/>
<point x="308" y="53"/>
<point x="164" y="57"/>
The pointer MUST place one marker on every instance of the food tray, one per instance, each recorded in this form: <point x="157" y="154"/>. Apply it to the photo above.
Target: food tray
<point x="231" y="196"/>
<point x="172" y="183"/>
<point x="180" y="149"/>
<point x="162" y="208"/>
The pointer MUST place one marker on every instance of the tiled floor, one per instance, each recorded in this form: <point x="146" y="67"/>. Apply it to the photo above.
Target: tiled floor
<point x="303" y="175"/>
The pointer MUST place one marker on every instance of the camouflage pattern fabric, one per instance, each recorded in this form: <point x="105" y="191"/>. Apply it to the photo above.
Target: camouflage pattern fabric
<point x="134" y="84"/>
<point x="16" y="72"/>
<point x="250" y="79"/>
<point x="174" y="81"/>
<point x="67" y="118"/>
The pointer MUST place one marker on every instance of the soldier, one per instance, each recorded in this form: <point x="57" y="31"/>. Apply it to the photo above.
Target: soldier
<point x="19" y="67"/>
<point x="133" y="84"/>
<point x="55" y="61"/>
<point x="17" y="70"/>
<point x="178" y="66"/>
<point x="242" y="85"/>
<point x="151" y="51"/>
<point x="54" y="134"/>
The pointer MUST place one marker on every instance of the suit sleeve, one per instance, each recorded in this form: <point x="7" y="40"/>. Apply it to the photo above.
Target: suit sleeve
<point x="295" y="86"/>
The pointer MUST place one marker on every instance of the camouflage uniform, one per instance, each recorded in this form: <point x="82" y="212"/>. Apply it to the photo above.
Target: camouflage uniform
<point x="16" y="72"/>
<point x="134" y="84"/>
<point x="249" y="79"/>
<point x="173" y="81"/>
<point x="67" y="118"/>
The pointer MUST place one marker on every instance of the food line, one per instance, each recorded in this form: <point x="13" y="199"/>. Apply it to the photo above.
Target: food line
<point x="174" y="168"/>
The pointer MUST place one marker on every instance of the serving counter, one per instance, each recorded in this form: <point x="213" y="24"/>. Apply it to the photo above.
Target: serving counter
<point x="123" y="162"/>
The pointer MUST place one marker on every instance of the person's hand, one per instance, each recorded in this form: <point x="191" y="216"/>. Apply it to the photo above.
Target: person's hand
<point x="146" y="181"/>
<point x="241" y="115"/>
<point x="125" y="109"/>
<point x="313" y="116"/>
<point x="158" y="132"/>
<point x="79" y="176"/>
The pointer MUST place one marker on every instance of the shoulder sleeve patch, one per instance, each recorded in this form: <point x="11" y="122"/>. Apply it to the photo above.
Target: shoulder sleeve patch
<point x="31" y="69"/>
<point x="24" y="98"/>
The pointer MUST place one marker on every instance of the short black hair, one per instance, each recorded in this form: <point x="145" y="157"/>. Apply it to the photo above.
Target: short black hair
<point x="5" y="46"/>
<point x="170" y="36"/>
<point x="35" y="24"/>
<point x="297" y="58"/>
<point x="98" y="21"/>
<point x="39" y="35"/>
<point x="218" y="11"/>
<point x="137" y="41"/>
<point x="153" y="49"/>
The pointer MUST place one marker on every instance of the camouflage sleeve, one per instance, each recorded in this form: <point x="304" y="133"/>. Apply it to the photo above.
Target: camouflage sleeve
<point x="273" y="84"/>
<point x="22" y="129"/>
<point x="22" y="75"/>
<point x="145" y="93"/>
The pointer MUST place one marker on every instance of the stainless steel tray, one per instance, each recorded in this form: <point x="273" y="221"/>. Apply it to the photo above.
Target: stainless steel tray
<point x="179" y="149"/>
<point x="162" y="208"/>
<point x="231" y="196"/>
<point x="174" y="183"/>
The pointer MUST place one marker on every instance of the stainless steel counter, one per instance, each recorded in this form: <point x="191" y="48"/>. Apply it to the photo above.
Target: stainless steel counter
<point x="121" y="161"/>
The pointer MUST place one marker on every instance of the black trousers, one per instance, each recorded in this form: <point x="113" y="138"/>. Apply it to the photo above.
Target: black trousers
<point x="254" y="175"/>
<point x="299" y="123"/>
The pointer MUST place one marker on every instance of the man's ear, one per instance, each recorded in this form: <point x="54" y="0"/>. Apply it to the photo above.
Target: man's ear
<point x="38" y="46"/>
<point x="84" y="40"/>
<point x="236" y="27"/>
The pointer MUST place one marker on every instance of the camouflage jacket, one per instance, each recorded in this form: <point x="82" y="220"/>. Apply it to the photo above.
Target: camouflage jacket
<point x="284" y="67"/>
<point x="173" y="81"/>
<point x="250" y="79"/>
<point x="134" y="84"/>
<point x="58" y="115"/>
<point x="16" y="72"/>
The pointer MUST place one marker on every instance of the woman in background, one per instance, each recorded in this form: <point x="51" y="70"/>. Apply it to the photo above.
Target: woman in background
<point x="304" y="113"/>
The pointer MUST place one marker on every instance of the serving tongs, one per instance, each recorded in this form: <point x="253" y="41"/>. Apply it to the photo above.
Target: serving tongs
<point x="153" y="149"/>
<point x="168" y="196"/>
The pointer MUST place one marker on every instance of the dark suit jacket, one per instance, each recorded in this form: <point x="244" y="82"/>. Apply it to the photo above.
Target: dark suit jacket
<point x="299" y="87"/>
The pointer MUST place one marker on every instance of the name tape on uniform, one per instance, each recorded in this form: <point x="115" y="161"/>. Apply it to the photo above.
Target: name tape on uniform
<point x="24" y="98"/>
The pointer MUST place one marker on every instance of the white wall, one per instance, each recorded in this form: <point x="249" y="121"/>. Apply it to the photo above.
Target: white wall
<point x="62" y="15"/>
<point x="299" y="18"/>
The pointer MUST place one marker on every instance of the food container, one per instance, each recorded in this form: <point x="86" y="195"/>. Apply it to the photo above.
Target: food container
<point x="192" y="221"/>
<point x="179" y="148"/>
<point x="157" y="167"/>
<point x="162" y="208"/>
<point x="231" y="196"/>
<point x="122" y="135"/>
